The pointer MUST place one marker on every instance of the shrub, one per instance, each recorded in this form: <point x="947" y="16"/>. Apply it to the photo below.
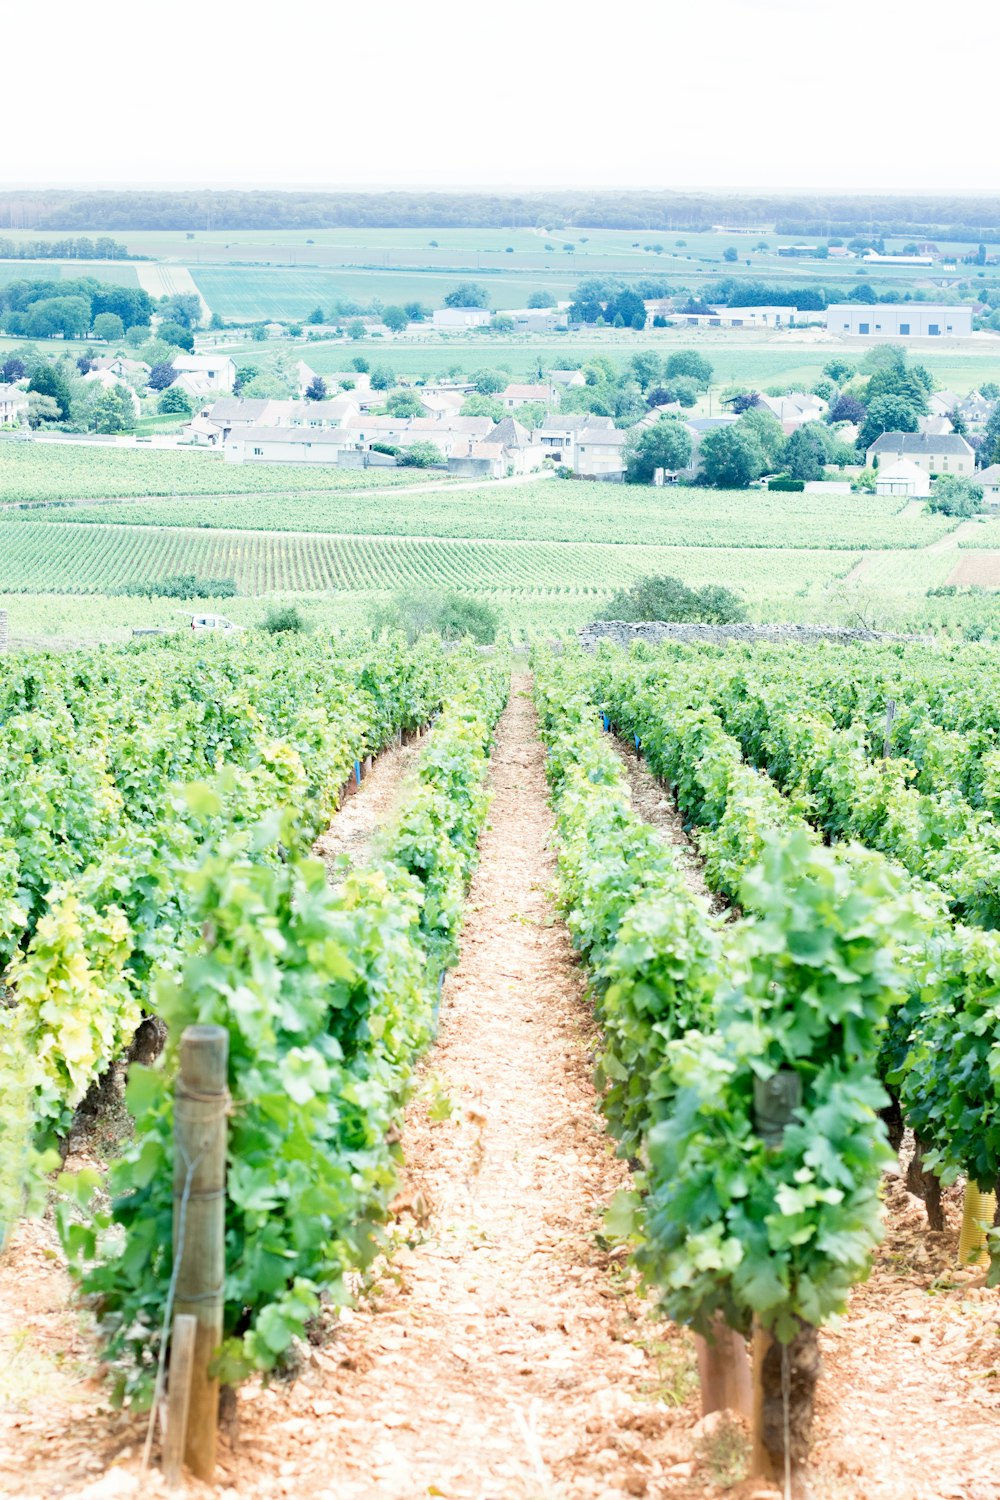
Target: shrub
<point x="421" y="456"/>
<point x="785" y="483"/>
<point x="284" y="618"/>
<point x="668" y="599"/>
<point x="450" y="615"/>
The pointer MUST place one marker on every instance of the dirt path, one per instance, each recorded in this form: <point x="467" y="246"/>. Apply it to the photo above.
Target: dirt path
<point x="368" y="806"/>
<point x="507" y="1360"/>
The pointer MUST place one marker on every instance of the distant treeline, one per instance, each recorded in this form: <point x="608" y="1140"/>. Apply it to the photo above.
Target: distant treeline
<point x="64" y="209"/>
<point x="81" y="248"/>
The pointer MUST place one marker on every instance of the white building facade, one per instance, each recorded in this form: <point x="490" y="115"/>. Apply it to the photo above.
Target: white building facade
<point x="899" y="320"/>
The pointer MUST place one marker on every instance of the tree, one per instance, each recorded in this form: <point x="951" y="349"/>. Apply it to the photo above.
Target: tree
<point x="647" y="368"/>
<point x="174" y="399"/>
<point x="216" y="321"/>
<point x="803" y="458"/>
<point x="989" y="452"/>
<point x="404" y="404"/>
<point x="356" y="330"/>
<point x="886" y="414"/>
<point x="109" y="327"/>
<point x="42" y="410"/>
<point x="316" y="389"/>
<point x="666" y="445"/>
<point x="769" y="433"/>
<point x="902" y="383"/>
<point x="467" y="294"/>
<point x="114" y="411"/>
<point x="244" y="376"/>
<point x="395" y="319"/>
<point x="421" y="456"/>
<point x="489" y="382"/>
<point x="540" y="299"/>
<point x="316" y="316"/>
<point x="181" y="307"/>
<point x="688" y="362"/>
<point x="847" y="408"/>
<point x="48" y="380"/>
<point x="136" y="336"/>
<point x="502" y="323"/>
<point x="663" y="597"/>
<point x="51" y="317"/>
<point x="415" y="311"/>
<point x="176" y="334"/>
<point x="258" y="333"/>
<point x="482" y="406"/>
<point x="954" y="495"/>
<point x="838" y="370"/>
<point x="731" y="255"/>
<point x="382" y="378"/>
<point x="730" y="457"/>
<point x="12" y="369"/>
<point x="360" y="364"/>
<point x="629" y="404"/>
<point x="160" y="376"/>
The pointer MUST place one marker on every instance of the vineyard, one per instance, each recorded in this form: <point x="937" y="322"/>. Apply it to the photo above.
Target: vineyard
<point x="779" y="868"/>
<point x="43" y="557"/>
<point x="32" y="472"/>
<point x="567" y="511"/>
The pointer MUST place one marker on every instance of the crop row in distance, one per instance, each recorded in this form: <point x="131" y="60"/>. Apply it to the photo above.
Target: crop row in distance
<point x="548" y="510"/>
<point x="42" y="557"/>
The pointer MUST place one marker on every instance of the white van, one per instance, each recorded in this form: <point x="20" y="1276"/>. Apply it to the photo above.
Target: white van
<point x="213" y="622"/>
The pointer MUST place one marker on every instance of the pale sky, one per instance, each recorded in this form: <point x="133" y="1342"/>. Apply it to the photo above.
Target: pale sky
<point x="888" y="96"/>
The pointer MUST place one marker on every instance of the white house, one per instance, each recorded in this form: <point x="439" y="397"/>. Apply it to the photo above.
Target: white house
<point x="903" y="478"/>
<point x="557" y="435"/>
<point x="519" y="395"/>
<point x="560" y="379"/>
<point x="795" y="409"/>
<point x="600" y="452"/>
<point x="286" y="445"/>
<point x="213" y="372"/>
<point x="990" y="481"/>
<point x="459" y="319"/>
<point x="943" y="453"/>
<point x="13" y="405"/>
<point x="899" y="320"/>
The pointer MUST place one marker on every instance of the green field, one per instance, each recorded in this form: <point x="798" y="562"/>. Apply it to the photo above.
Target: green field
<point x="545" y="510"/>
<point x="101" y="559"/>
<point x="120" y="273"/>
<point x="737" y="358"/>
<point x="47" y="471"/>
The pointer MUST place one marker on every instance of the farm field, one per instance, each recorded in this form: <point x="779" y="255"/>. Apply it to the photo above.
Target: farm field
<point x="547" y="510"/>
<point x="63" y="558"/>
<point x="44" y="471"/>
<point x="569" y="859"/>
<point x="737" y="359"/>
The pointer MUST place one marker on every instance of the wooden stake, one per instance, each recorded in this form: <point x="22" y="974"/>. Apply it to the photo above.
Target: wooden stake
<point x="178" y="1397"/>
<point x="724" y="1371"/>
<point x="762" y="1465"/>
<point x="199" y="1223"/>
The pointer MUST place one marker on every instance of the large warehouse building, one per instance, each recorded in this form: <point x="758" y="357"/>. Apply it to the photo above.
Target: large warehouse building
<point x="899" y="320"/>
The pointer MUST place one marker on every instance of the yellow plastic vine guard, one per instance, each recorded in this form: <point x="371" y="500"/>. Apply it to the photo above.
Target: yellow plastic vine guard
<point x="978" y="1209"/>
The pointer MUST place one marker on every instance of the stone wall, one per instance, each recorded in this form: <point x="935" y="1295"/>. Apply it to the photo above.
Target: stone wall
<point x="623" y="633"/>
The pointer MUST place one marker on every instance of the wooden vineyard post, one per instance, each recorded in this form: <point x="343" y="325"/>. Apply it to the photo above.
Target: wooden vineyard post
<point x="724" y="1371"/>
<point x="178" y="1396"/>
<point x="201" y="1106"/>
<point x="762" y="1465"/>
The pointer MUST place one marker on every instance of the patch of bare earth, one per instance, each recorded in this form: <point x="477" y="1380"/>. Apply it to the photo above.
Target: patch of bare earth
<point x="909" y="1404"/>
<point x="982" y="568"/>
